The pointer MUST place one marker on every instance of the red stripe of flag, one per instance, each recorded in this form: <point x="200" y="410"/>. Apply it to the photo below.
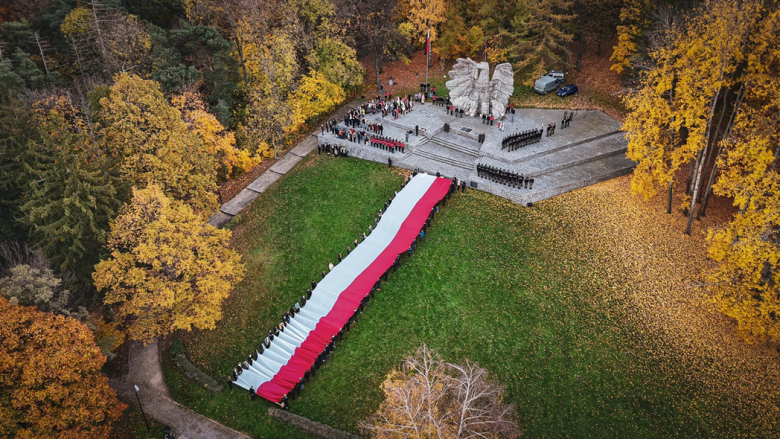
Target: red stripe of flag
<point x="349" y="300"/>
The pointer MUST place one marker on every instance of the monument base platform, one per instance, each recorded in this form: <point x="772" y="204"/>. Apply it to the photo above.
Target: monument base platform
<point x="590" y="150"/>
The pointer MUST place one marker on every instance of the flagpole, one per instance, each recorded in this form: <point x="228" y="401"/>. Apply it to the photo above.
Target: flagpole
<point x="427" y="56"/>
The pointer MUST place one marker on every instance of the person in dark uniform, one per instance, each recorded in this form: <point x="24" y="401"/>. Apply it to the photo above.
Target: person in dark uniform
<point x="340" y="257"/>
<point x="308" y="293"/>
<point x="348" y="250"/>
<point x="313" y="285"/>
<point x="230" y="384"/>
<point x="252" y="393"/>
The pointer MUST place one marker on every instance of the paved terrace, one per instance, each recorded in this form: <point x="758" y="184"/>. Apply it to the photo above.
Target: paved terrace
<point x="590" y="150"/>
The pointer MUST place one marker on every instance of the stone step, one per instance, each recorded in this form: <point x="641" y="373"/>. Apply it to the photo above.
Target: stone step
<point x="443" y="159"/>
<point x="576" y="155"/>
<point x="563" y="147"/>
<point x="576" y="177"/>
<point x="447" y="144"/>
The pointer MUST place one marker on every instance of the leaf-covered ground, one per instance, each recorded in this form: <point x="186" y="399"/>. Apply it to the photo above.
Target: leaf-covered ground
<point x="585" y="306"/>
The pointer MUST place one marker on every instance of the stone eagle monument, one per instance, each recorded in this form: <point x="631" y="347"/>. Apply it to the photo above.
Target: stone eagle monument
<point x="472" y="90"/>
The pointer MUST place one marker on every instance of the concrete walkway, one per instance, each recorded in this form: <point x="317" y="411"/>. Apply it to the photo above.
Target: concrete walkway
<point x="244" y="198"/>
<point x="145" y="371"/>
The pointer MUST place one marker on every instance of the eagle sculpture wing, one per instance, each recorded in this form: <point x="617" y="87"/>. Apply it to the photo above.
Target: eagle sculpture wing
<point x="463" y="76"/>
<point x="501" y="88"/>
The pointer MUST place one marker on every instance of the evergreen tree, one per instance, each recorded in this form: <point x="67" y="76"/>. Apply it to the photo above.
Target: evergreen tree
<point x="211" y="54"/>
<point x="537" y="38"/>
<point x="69" y="201"/>
<point x="15" y="132"/>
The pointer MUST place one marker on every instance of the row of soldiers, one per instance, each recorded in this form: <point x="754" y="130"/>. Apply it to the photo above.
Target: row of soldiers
<point x="338" y="337"/>
<point x="519" y="140"/>
<point x="388" y="144"/>
<point x="505" y="177"/>
<point x="336" y="150"/>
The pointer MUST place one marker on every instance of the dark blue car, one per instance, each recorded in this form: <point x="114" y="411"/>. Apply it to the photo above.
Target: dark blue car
<point x="568" y="90"/>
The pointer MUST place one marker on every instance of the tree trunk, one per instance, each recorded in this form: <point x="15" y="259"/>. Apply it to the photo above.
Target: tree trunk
<point x="40" y="49"/>
<point x="700" y="159"/>
<point x="689" y="178"/>
<point x="78" y="58"/>
<point x="711" y="142"/>
<point x="699" y="168"/>
<point x="376" y="69"/>
<point x="240" y="49"/>
<point x="97" y="30"/>
<point x="669" y="200"/>
<point x="714" y="171"/>
<point x="581" y="48"/>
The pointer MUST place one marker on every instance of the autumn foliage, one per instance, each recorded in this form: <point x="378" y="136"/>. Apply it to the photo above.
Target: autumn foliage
<point x="710" y="103"/>
<point x="152" y="144"/>
<point x="50" y="380"/>
<point x="168" y="270"/>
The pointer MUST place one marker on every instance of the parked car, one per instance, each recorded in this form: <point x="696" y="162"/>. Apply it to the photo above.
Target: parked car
<point x="568" y="90"/>
<point x="557" y="74"/>
<point x="545" y="84"/>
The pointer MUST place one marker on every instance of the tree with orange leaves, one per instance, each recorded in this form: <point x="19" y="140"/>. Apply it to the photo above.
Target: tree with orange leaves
<point x="50" y="378"/>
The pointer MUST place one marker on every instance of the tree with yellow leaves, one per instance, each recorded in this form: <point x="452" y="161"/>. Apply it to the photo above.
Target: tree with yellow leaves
<point x="50" y="377"/>
<point x="634" y="21"/>
<point x="218" y="141"/>
<point x="713" y="49"/>
<point x="315" y="95"/>
<point x="428" y="398"/>
<point x="168" y="270"/>
<point x="424" y="15"/>
<point x="152" y="145"/>
<point x="746" y="285"/>
<point x="651" y="124"/>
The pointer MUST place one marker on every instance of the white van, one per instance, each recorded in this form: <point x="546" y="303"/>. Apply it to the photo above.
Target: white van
<point x="557" y="74"/>
<point x="545" y="84"/>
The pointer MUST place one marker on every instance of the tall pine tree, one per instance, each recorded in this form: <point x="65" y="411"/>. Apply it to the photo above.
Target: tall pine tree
<point x="69" y="201"/>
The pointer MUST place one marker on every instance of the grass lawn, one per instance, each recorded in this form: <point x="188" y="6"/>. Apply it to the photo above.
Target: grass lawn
<point x="521" y="291"/>
<point x="131" y="425"/>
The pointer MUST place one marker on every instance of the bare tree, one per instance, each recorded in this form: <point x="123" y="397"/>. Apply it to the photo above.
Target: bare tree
<point x="428" y="398"/>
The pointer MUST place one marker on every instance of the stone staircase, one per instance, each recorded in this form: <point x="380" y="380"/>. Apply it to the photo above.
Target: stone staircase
<point x="439" y="140"/>
<point x="563" y="169"/>
<point x="523" y="158"/>
<point x="579" y="176"/>
<point x="574" y="155"/>
<point x="449" y="160"/>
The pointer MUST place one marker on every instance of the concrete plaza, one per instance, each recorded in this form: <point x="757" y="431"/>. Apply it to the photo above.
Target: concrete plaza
<point x="590" y="150"/>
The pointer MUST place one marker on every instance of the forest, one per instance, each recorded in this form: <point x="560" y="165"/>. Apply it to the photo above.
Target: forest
<point x="120" y="119"/>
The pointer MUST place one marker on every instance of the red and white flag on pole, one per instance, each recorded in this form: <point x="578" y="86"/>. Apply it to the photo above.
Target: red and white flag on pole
<point x="428" y="43"/>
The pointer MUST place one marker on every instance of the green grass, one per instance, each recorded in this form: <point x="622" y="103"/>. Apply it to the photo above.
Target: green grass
<point x="505" y="286"/>
<point x="131" y="425"/>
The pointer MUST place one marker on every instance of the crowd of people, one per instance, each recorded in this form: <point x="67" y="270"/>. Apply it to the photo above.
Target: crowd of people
<point x="336" y="150"/>
<point x="298" y="306"/>
<point x="505" y="177"/>
<point x="519" y="140"/>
